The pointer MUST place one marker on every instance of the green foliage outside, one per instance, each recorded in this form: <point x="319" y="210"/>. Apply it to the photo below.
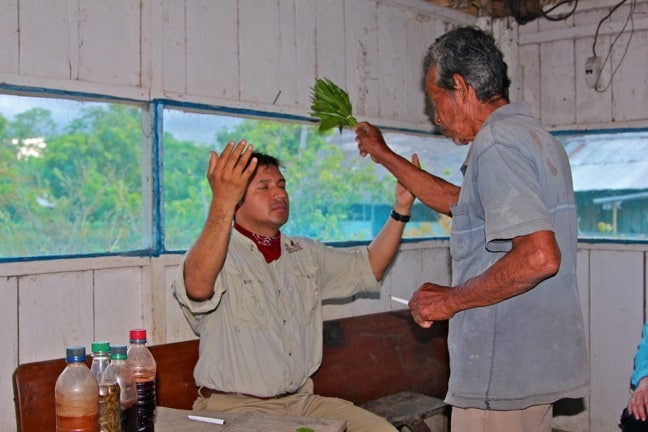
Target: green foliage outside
<point x="321" y="182"/>
<point x="77" y="189"/>
<point x="70" y="191"/>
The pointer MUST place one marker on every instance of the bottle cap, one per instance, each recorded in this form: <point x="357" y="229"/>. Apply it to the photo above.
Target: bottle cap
<point x="118" y="352"/>
<point x="100" y="347"/>
<point x="138" y="335"/>
<point x="75" y="354"/>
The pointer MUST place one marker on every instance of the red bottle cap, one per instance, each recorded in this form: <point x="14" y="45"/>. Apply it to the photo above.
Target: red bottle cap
<point x="138" y="335"/>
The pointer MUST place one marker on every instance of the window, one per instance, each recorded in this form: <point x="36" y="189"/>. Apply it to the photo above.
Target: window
<point x="70" y="177"/>
<point x="335" y="194"/>
<point x="76" y="177"/>
<point x="610" y="172"/>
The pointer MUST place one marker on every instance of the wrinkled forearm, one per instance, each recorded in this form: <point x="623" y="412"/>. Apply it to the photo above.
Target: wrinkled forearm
<point x="431" y="190"/>
<point x="532" y="259"/>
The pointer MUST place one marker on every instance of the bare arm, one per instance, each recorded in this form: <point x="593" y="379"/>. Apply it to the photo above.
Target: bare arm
<point x="383" y="248"/>
<point x="228" y="178"/>
<point x="433" y="191"/>
<point x="638" y="403"/>
<point x="532" y="259"/>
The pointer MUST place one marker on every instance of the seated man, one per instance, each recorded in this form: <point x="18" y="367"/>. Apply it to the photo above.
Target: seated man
<point x="254" y="295"/>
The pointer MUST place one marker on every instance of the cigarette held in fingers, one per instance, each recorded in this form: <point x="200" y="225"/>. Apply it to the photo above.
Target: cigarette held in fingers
<point x="398" y="300"/>
<point x="206" y="419"/>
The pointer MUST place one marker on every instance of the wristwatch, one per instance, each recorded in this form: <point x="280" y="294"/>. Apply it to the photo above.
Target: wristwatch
<point x="399" y="217"/>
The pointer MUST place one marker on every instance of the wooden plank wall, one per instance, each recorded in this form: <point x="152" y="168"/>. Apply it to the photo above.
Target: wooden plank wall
<point x="552" y="56"/>
<point x="248" y="54"/>
<point x="264" y="55"/>
<point x="53" y="304"/>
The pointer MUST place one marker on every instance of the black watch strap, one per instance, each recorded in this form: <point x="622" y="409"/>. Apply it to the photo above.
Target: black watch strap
<point x="399" y="217"/>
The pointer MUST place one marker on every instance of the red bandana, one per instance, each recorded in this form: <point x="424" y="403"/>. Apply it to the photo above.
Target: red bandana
<point x="270" y="247"/>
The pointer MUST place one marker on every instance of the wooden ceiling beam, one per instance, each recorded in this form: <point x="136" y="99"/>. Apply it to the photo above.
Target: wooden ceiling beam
<point x="527" y="9"/>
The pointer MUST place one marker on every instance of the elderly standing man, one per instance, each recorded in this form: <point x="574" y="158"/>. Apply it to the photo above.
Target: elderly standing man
<point x="254" y="295"/>
<point x="516" y="335"/>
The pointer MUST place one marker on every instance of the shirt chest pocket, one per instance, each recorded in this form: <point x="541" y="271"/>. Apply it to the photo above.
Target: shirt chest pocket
<point x="247" y="300"/>
<point x="304" y="291"/>
<point x="462" y="233"/>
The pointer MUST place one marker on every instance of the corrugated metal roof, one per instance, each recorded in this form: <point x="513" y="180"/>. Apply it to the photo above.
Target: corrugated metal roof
<point x="615" y="161"/>
<point x="608" y="161"/>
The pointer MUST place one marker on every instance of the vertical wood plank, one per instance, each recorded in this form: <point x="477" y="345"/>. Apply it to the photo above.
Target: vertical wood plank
<point x="9" y="36"/>
<point x="617" y="298"/>
<point x="118" y="303"/>
<point x="259" y="45"/>
<point x="155" y="43"/>
<point x="110" y="27"/>
<point x="288" y="64"/>
<point x="630" y="84"/>
<point x="149" y="17"/>
<point x="392" y="58"/>
<point x="399" y="281"/>
<point x="41" y="54"/>
<point x="9" y="343"/>
<point x="362" y="58"/>
<point x="178" y="329"/>
<point x="54" y="311"/>
<point x="173" y="42"/>
<point x="148" y="287"/>
<point x="529" y="56"/>
<point x="506" y="35"/>
<point x="212" y="49"/>
<point x="557" y="83"/>
<point x="420" y="33"/>
<point x="583" y="278"/>
<point x="305" y="55"/>
<point x="330" y="41"/>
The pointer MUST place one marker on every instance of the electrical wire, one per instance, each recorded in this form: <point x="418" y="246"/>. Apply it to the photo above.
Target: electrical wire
<point x="629" y="19"/>
<point x="598" y="27"/>
<point x="563" y="16"/>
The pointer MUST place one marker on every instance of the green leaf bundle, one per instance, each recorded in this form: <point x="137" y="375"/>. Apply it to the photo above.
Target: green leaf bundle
<point x="331" y="105"/>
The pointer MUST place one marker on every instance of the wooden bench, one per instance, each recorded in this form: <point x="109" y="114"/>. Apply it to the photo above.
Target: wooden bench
<point x="365" y="358"/>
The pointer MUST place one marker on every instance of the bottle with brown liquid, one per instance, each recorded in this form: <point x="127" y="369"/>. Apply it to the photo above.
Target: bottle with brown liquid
<point x="128" y="392"/>
<point x="77" y="395"/>
<point x="144" y="369"/>
<point x="109" y="392"/>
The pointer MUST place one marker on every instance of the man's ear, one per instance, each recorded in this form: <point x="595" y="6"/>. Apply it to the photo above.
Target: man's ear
<point x="460" y="85"/>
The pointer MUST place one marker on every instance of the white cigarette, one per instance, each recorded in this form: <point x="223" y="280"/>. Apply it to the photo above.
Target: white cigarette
<point x="206" y="419"/>
<point x="398" y="299"/>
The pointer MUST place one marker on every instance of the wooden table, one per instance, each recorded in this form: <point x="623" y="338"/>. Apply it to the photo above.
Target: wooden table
<point x="173" y="420"/>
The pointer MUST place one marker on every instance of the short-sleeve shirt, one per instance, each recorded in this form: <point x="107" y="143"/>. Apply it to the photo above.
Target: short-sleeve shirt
<point x="641" y="359"/>
<point x="529" y="349"/>
<point x="261" y="332"/>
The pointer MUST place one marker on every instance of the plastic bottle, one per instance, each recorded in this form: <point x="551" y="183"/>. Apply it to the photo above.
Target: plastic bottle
<point x="108" y="387"/>
<point x="128" y="392"/>
<point x="144" y="369"/>
<point x="77" y="395"/>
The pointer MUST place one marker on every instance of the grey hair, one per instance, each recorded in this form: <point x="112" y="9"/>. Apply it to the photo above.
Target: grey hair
<point x="473" y="54"/>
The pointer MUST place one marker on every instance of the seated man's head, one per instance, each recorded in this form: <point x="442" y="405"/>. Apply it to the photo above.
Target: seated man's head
<point x="265" y="205"/>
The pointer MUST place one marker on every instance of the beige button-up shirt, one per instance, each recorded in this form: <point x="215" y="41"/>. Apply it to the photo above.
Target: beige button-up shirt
<point x="261" y="332"/>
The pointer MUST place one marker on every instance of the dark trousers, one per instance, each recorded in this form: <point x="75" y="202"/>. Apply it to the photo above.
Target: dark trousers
<point x="630" y="424"/>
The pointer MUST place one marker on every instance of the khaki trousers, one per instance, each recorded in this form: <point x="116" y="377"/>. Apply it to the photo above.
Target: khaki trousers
<point x="303" y="403"/>
<point x="537" y="418"/>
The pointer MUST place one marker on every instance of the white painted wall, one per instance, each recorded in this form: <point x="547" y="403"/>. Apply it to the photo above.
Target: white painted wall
<point x="264" y="55"/>
<point x="552" y="59"/>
